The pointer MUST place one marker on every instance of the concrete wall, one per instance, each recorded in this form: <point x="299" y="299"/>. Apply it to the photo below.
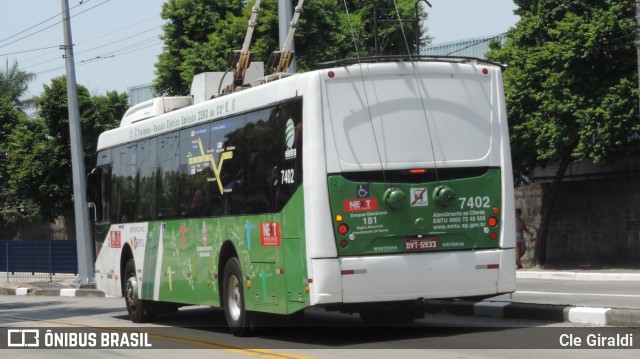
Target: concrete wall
<point x="595" y="221"/>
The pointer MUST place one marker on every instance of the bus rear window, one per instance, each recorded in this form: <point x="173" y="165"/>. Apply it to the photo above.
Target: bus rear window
<point x="396" y="122"/>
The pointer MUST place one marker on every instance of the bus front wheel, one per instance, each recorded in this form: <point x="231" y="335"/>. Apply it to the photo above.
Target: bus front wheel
<point x="135" y="305"/>
<point x="234" y="301"/>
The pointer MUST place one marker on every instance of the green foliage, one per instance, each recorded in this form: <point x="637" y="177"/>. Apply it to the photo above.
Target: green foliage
<point x="9" y="119"/>
<point x="571" y="85"/>
<point x="40" y="168"/>
<point x="13" y="85"/>
<point x="39" y="149"/>
<point x="201" y="34"/>
<point x="190" y="24"/>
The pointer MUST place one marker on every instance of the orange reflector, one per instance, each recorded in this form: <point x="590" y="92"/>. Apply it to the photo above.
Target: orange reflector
<point x="208" y="282"/>
<point x="492" y="221"/>
<point x="306" y="289"/>
<point x="496" y="210"/>
<point x="248" y="285"/>
<point x="115" y="277"/>
<point x="339" y="217"/>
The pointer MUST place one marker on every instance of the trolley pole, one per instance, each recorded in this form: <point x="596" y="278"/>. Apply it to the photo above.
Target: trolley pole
<point x="83" y="232"/>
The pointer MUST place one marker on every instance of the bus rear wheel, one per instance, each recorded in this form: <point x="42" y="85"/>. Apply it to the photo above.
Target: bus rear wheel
<point x="135" y="306"/>
<point x="234" y="300"/>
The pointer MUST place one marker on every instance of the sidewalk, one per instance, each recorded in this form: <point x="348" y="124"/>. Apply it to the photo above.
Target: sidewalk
<point x="590" y="273"/>
<point x="553" y="312"/>
<point x="63" y="285"/>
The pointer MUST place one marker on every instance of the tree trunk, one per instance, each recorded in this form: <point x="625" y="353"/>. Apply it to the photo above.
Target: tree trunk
<point x="548" y="201"/>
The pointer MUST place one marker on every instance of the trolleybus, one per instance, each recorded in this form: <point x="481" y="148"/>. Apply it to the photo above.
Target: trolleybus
<point x="365" y="186"/>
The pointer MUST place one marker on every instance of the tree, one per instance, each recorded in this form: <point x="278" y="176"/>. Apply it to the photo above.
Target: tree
<point x="200" y="35"/>
<point x="571" y="87"/>
<point x="14" y="84"/>
<point x="40" y="151"/>
<point x="190" y="24"/>
<point x="9" y="119"/>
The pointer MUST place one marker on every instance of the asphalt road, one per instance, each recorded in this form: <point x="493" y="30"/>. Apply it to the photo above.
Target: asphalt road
<point x="321" y="334"/>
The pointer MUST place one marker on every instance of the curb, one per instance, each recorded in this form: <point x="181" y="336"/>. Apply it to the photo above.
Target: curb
<point x="511" y="310"/>
<point x="546" y="312"/>
<point x="590" y="276"/>
<point x="64" y="292"/>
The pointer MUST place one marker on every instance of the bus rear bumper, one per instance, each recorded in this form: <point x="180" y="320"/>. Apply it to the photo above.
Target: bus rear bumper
<point x="414" y="276"/>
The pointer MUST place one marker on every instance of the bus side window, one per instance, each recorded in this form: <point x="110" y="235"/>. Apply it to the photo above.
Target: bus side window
<point x="124" y="184"/>
<point x="168" y="147"/>
<point x="146" y="157"/>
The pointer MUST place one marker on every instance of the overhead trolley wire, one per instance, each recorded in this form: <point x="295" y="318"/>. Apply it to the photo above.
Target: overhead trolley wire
<point x="50" y="26"/>
<point x="104" y="57"/>
<point x="40" y="23"/>
<point x="94" y="39"/>
<point x="32" y="50"/>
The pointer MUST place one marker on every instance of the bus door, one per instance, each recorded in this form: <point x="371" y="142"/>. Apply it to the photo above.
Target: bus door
<point x="98" y="194"/>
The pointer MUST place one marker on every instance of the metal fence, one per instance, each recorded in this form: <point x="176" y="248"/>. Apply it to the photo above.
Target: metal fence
<point x="38" y="258"/>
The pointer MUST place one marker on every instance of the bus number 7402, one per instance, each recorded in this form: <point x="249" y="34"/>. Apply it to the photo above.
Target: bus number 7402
<point x="474" y="202"/>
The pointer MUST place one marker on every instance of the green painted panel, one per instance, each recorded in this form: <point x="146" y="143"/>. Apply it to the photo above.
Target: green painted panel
<point x="150" y="260"/>
<point x="403" y="217"/>
<point x="188" y="269"/>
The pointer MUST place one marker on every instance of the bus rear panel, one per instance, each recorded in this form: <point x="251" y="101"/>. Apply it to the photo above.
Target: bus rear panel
<point x="419" y="184"/>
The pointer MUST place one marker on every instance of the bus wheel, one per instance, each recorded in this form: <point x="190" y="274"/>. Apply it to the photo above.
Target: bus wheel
<point x="233" y="297"/>
<point x="135" y="305"/>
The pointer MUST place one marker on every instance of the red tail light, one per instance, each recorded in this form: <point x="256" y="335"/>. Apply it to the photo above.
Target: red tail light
<point x="492" y="222"/>
<point x="343" y="229"/>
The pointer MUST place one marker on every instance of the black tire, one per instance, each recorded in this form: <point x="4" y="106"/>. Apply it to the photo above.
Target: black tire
<point x="136" y="307"/>
<point x="234" y="300"/>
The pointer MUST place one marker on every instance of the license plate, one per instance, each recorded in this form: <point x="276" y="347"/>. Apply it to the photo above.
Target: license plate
<point x="421" y="244"/>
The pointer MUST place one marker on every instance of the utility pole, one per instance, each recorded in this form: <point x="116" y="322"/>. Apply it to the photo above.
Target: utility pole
<point x="83" y="232"/>
<point x="638" y="46"/>
<point x="285" y="14"/>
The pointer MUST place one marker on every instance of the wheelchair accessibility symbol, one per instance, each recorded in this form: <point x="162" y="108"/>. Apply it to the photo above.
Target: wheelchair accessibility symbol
<point x="362" y="191"/>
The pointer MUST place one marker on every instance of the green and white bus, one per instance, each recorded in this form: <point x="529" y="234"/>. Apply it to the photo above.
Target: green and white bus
<point x="362" y="187"/>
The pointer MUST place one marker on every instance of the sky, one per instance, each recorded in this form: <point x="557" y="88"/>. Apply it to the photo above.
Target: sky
<point x="116" y="42"/>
